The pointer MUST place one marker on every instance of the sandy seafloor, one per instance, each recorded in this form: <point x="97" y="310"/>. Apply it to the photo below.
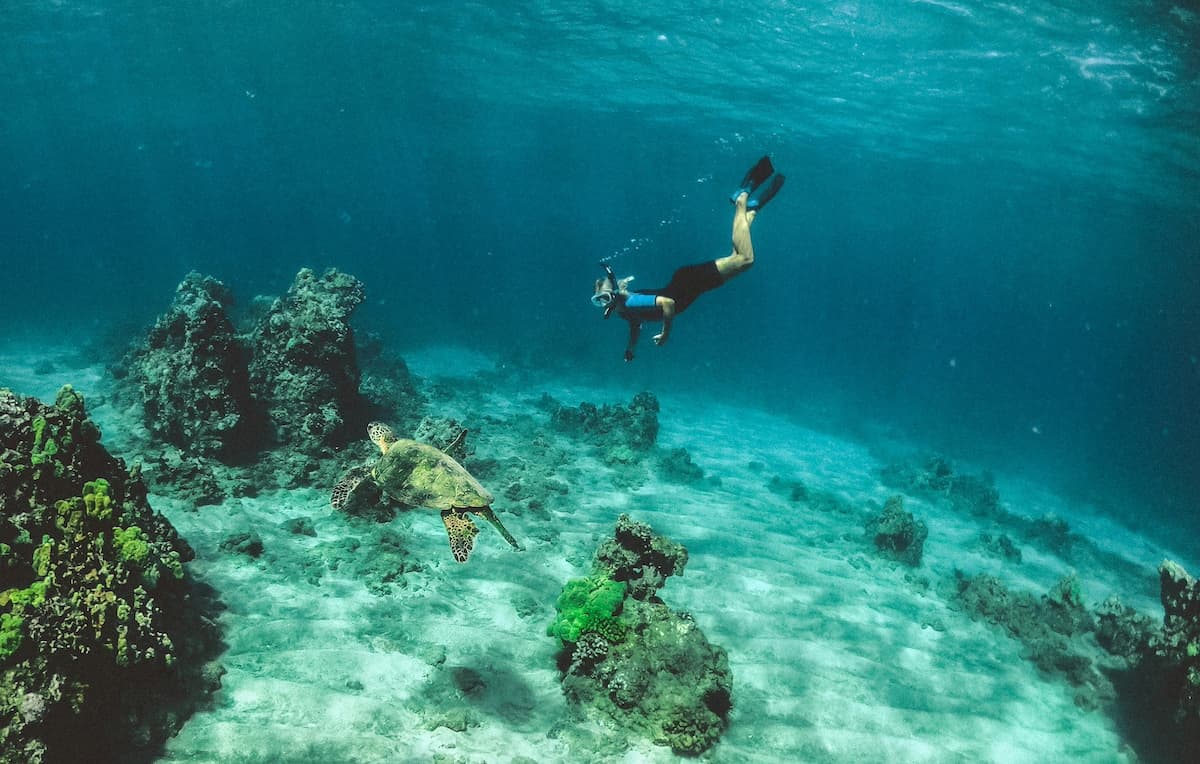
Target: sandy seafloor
<point x="837" y="655"/>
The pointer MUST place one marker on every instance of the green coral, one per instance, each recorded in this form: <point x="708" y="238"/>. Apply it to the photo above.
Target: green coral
<point x="96" y="499"/>
<point x="42" y="556"/>
<point x="172" y="563"/>
<point x="131" y="544"/>
<point x="691" y="731"/>
<point x="610" y="628"/>
<point x="12" y="623"/>
<point x="588" y="604"/>
<point x="30" y="597"/>
<point x="11" y="636"/>
<point x="44" y="447"/>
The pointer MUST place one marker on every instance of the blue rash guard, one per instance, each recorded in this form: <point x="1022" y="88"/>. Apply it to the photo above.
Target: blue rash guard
<point x="641" y="306"/>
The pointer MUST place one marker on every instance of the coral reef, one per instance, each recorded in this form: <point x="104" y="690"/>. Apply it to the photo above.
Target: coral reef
<point x="792" y="490"/>
<point x="976" y="496"/>
<point x="216" y="400"/>
<point x="1000" y="546"/>
<point x="191" y="373"/>
<point x="969" y="494"/>
<point x="385" y="381"/>
<point x="1178" y="644"/>
<point x="624" y="433"/>
<point x="628" y="655"/>
<point x="897" y="534"/>
<point x="1122" y="631"/>
<point x="640" y="558"/>
<point x="676" y="466"/>
<point x="442" y="434"/>
<point x="304" y="367"/>
<point x="105" y="642"/>
<point x="1052" y="628"/>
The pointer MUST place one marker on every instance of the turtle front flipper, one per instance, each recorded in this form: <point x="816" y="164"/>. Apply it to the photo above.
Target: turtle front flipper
<point x="351" y="480"/>
<point x="462" y="533"/>
<point x="487" y="514"/>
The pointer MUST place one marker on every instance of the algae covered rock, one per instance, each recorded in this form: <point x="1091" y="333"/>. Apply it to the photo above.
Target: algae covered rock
<point x="676" y="466"/>
<point x="191" y="373"/>
<point x="1179" y="642"/>
<point x="640" y="558"/>
<point x="975" y="495"/>
<point x="897" y="534"/>
<point x="1055" y="629"/>
<point x="304" y="369"/>
<point x="103" y="645"/>
<point x="620" y="429"/>
<point x="634" y="659"/>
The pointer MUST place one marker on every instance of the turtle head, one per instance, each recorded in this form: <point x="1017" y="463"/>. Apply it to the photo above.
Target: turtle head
<point x="381" y="435"/>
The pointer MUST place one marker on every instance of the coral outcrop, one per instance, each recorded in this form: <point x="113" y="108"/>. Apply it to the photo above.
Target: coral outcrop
<point x="191" y="373"/>
<point x="628" y="655"/>
<point x="242" y="410"/>
<point x="103" y="645"/>
<point x="897" y="534"/>
<point x="969" y="494"/>
<point x="304" y="368"/>
<point x="624" y="433"/>
<point x="1178" y="644"/>
<point x="1053" y="628"/>
<point x="640" y="558"/>
<point x="676" y="466"/>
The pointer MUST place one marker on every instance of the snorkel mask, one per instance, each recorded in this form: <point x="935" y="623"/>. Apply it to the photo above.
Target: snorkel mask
<point x="607" y="297"/>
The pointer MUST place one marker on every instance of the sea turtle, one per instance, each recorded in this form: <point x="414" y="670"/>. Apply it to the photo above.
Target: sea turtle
<point x="419" y="475"/>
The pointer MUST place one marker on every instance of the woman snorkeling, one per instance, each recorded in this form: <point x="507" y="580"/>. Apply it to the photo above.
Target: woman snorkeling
<point x="690" y="281"/>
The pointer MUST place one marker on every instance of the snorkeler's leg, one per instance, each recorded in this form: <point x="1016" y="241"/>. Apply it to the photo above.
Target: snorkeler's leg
<point x="742" y="256"/>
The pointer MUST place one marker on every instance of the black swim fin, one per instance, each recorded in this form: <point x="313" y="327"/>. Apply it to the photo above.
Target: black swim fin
<point x="754" y="178"/>
<point x="759" y="199"/>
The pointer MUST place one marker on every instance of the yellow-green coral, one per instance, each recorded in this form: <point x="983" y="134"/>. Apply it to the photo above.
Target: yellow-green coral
<point x="588" y="604"/>
<point x="11" y="627"/>
<point x="97" y="500"/>
<point x="131" y="544"/>
<point x="44" y="447"/>
<point x="42" y="556"/>
<point x="12" y="623"/>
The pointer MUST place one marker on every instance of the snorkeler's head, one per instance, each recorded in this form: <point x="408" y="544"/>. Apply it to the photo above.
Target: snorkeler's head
<point x="605" y="292"/>
<point x="608" y="290"/>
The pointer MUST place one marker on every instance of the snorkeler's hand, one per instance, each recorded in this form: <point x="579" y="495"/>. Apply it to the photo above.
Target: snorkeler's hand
<point x="659" y="339"/>
<point x="628" y="356"/>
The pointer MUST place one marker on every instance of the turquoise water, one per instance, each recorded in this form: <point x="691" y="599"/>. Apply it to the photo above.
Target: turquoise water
<point x="989" y="243"/>
<point x="989" y="235"/>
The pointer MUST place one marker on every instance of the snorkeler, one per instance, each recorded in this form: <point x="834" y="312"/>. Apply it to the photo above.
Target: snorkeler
<point x="690" y="281"/>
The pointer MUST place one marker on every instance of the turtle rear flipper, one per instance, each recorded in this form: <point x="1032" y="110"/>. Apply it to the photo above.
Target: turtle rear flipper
<point x="462" y="533"/>
<point x="345" y="487"/>
<point x="487" y="514"/>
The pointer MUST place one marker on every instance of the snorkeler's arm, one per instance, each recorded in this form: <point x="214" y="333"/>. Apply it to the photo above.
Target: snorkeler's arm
<point x="635" y="328"/>
<point x="668" y="311"/>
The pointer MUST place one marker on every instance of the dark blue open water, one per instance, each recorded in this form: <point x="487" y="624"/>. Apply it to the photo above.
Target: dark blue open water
<point x="989" y="240"/>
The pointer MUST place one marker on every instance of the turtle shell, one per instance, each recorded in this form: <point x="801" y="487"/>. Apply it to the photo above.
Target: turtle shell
<point x="419" y="475"/>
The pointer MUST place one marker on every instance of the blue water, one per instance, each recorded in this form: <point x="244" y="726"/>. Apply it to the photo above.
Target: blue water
<point x="989" y="240"/>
